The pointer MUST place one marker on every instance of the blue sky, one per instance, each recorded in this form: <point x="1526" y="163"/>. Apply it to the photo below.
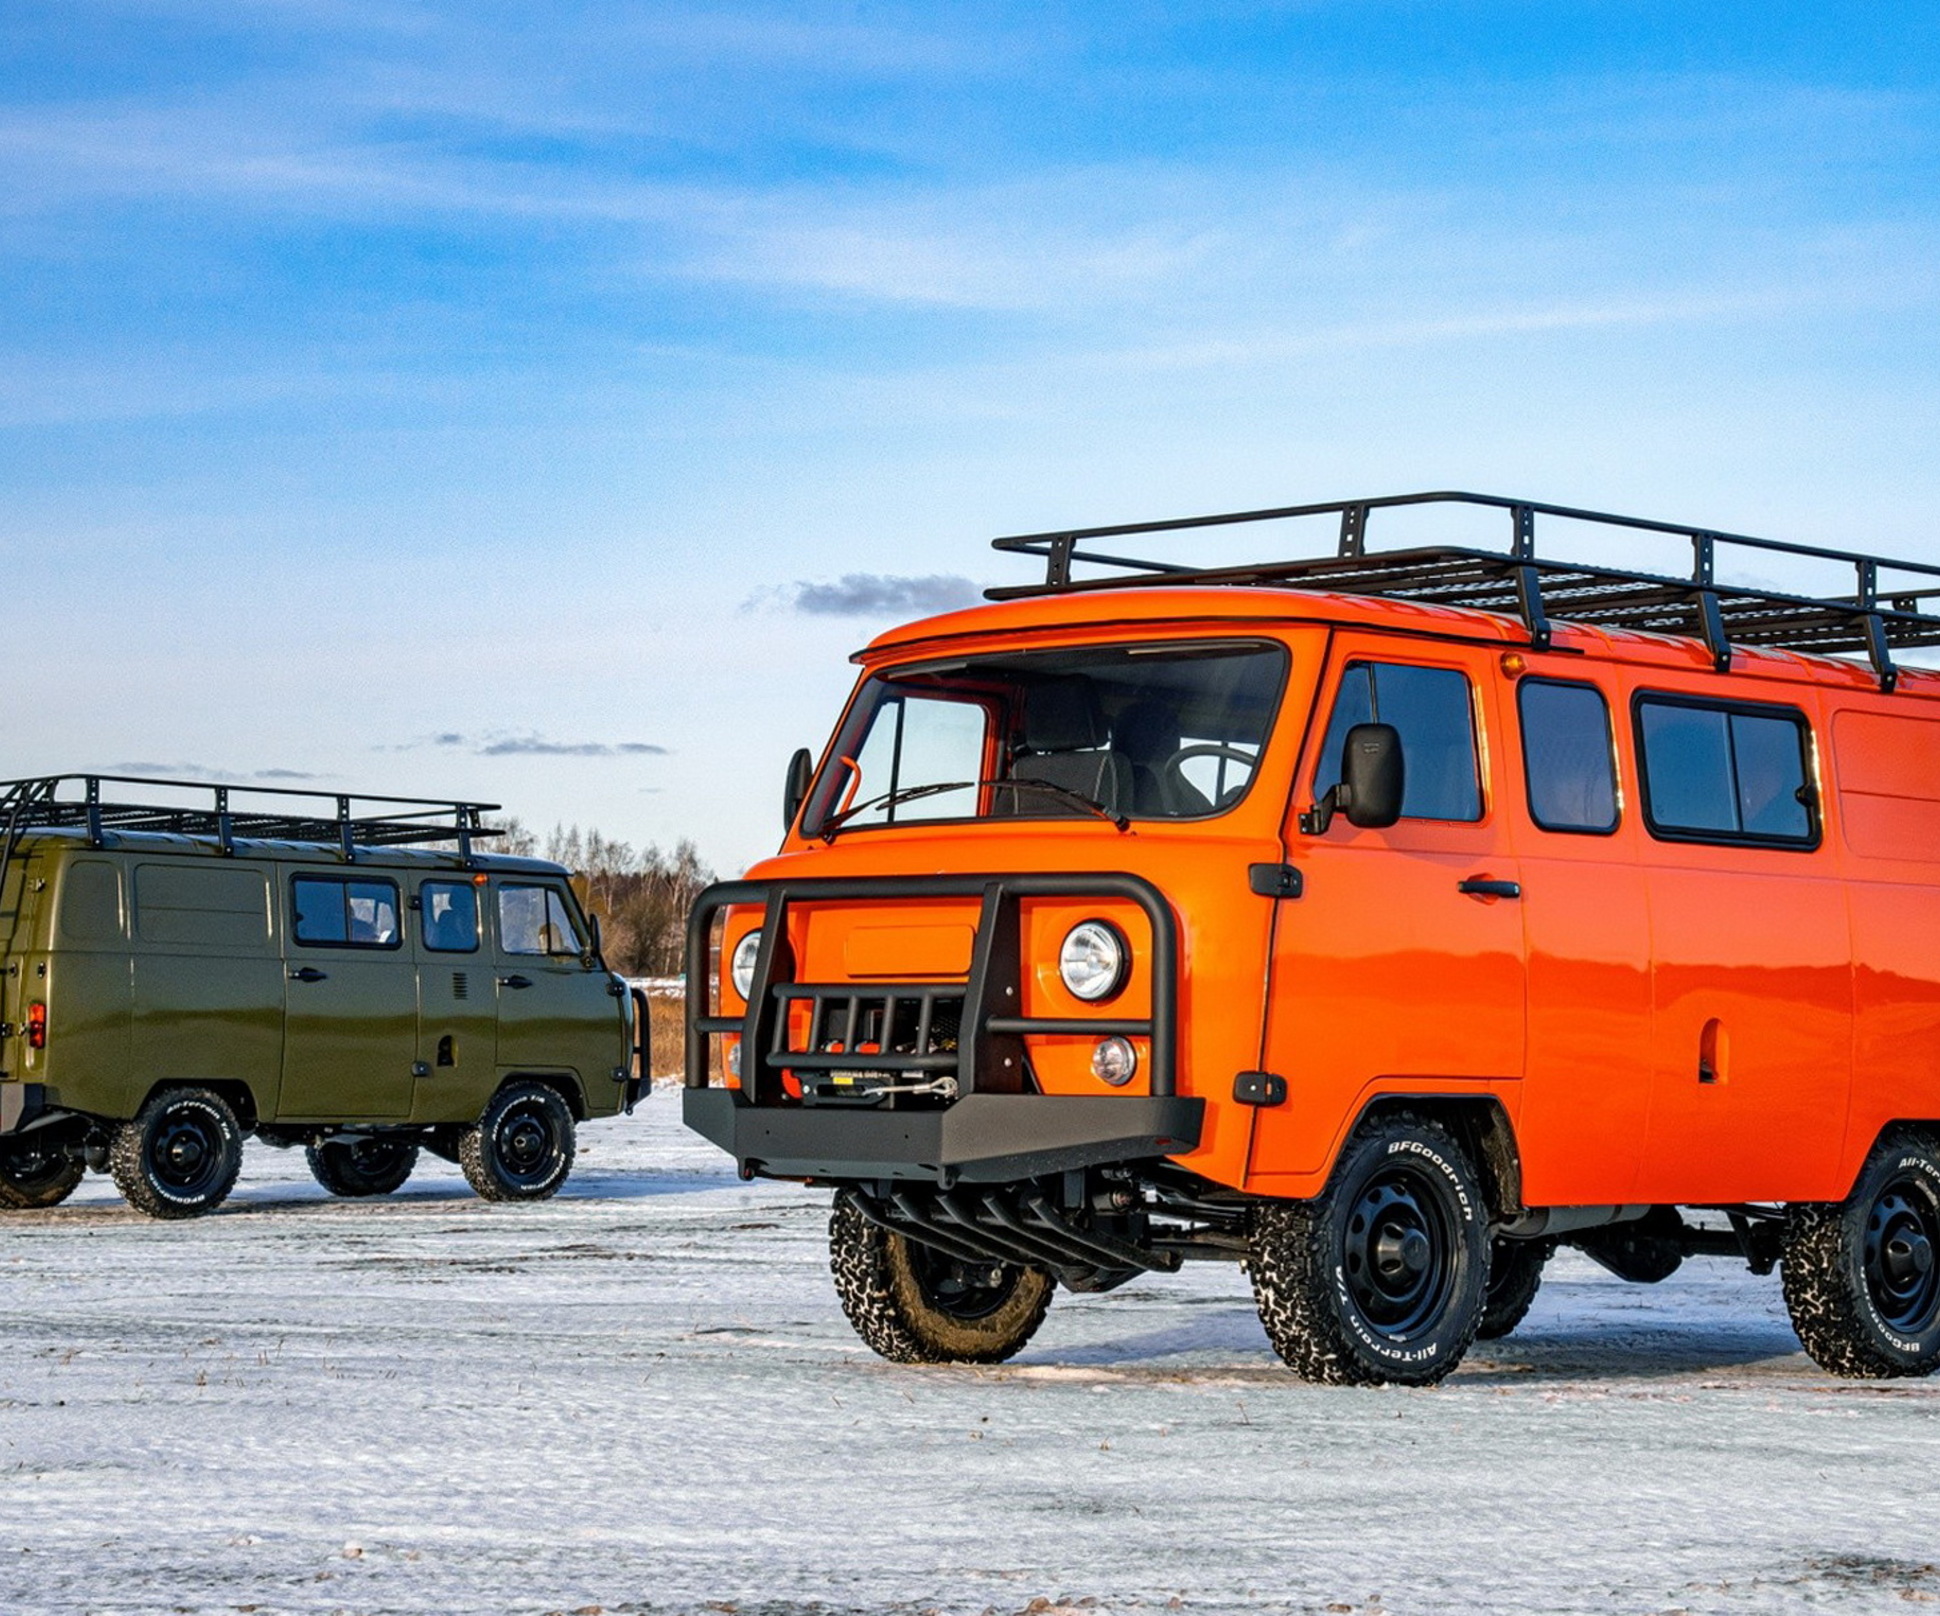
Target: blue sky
<point x="490" y="399"/>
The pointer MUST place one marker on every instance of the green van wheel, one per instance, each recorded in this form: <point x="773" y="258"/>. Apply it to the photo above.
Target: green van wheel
<point x="357" y="1167"/>
<point x="34" y="1174"/>
<point x="180" y="1156"/>
<point x="521" y="1147"/>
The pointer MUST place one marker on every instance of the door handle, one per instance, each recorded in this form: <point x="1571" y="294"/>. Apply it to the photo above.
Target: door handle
<point x="1478" y="887"/>
<point x="308" y="973"/>
<point x="515" y="981"/>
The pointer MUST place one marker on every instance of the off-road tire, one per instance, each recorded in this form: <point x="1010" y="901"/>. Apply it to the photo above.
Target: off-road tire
<point x="1382" y="1277"/>
<point x="180" y="1156"/>
<point x="1863" y="1304"/>
<point x="367" y="1166"/>
<point x="521" y="1147"/>
<point x="33" y="1175"/>
<point x="886" y="1288"/>
<point x="1515" y="1275"/>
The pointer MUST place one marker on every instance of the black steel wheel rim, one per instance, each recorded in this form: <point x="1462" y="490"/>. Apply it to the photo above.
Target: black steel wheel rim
<point x="185" y="1154"/>
<point x="527" y="1143"/>
<point x="33" y="1167"/>
<point x="375" y="1157"/>
<point x="1398" y="1251"/>
<point x="964" y="1290"/>
<point x="1902" y="1255"/>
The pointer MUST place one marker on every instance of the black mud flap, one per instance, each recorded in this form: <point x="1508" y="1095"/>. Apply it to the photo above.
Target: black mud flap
<point x="982" y="1139"/>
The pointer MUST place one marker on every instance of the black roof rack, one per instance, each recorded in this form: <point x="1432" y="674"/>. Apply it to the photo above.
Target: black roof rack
<point x="1521" y="583"/>
<point x="355" y="820"/>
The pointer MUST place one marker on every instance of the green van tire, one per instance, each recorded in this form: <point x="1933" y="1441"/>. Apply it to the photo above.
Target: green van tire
<point x="180" y="1156"/>
<point x="34" y="1174"/>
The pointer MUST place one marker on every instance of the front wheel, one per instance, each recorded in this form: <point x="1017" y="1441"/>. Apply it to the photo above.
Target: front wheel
<point x="1382" y="1278"/>
<point x="36" y="1174"/>
<point x="372" y="1165"/>
<point x="913" y="1304"/>
<point x="1862" y="1277"/>
<point x="180" y="1156"/>
<point x="521" y="1147"/>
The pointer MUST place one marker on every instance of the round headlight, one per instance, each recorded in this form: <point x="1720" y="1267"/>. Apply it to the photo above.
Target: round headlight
<point x="1114" y="1061"/>
<point x="741" y="967"/>
<point x="1093" y="960"/>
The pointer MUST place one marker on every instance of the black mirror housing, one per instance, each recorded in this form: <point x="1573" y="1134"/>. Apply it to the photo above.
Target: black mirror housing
<point x="801" y="769"/>
<point x="1374" y="780"/>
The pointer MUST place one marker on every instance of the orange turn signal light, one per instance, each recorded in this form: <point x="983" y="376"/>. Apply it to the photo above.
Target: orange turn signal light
<point x="37" y="1025"/>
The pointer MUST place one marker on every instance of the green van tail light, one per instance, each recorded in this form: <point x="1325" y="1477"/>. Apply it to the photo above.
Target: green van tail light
<point x="37" y="1025"/>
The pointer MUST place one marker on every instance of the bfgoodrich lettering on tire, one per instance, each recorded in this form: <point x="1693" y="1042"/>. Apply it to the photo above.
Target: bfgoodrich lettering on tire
<point x="521" y="1147"/>
<point x="913" y="1304"/>
<point x="1862" y="1277"/>
<point x="180" y="1155"/>
<point x="1382" y="1277"/>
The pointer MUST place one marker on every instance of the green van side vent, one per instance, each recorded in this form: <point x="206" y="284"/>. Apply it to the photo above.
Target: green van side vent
<point x="1875" y="619"/>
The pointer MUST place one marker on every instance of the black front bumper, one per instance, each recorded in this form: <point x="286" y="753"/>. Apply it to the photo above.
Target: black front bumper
<point x="981" y="1139"/>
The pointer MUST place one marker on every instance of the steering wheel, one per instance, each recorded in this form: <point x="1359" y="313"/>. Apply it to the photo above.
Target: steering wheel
<point x="1178" y="787"/>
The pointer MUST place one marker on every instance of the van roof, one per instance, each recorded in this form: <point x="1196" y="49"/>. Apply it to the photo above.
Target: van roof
<point x="424" y="859"/>
<point x="1222" y="609"/>
<point x="1494" y="591"/>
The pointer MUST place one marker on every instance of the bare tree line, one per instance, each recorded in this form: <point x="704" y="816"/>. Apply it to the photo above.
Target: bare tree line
<point x="642" y="895"/>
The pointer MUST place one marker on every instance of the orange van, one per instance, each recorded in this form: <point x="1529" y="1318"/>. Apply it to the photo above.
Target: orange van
<point x="1378" y="920"/>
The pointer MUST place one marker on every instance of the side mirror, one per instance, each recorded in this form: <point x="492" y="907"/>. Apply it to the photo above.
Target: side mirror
<point x="1374" y="779"/>
<point x="801" y="768"/>
<point x="595" y="955"/>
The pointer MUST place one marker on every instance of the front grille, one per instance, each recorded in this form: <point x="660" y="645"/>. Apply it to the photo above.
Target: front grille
<point x="847" y="1046"/>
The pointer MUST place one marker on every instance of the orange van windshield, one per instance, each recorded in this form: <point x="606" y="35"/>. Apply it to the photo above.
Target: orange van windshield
<point x="1161" y="731"/>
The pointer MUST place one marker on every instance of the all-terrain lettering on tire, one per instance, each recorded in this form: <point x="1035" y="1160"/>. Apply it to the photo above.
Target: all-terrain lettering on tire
<point x="180" y="1156"/>
<point x="913" y="1304"/>
<point x="1382" y="1277"/>
<point x="1862" y="1276"/>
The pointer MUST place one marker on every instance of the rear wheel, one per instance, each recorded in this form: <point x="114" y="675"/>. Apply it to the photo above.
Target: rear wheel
<point x="372" y="1165"/>
<point x="1515" y="1275"/>
<point x="1862" y="1277"/>
<point x="914" y="1304"/>
<point x="1382" y="1277"/>
<point x="37" y="1173"/>
<point x="521" y="1147"/>
<point x="180" y="1156"/>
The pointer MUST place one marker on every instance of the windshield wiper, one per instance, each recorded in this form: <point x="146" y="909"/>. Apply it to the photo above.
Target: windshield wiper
<point x="892" y="799"/>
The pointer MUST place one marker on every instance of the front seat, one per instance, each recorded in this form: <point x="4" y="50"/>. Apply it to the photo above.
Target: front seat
<point x="1066" y="743"/>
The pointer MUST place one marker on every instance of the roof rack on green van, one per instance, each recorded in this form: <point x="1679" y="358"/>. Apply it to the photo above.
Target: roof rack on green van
<point x="1520" y="583"/>
<point x="267" y="813"/>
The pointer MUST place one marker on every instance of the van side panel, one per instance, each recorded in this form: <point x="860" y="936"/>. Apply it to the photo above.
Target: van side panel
<point x="207" y="979"/>
<point x="1752" y="1002"/>
<point x="89" y="977"/>
<point x="1887" y="769"/>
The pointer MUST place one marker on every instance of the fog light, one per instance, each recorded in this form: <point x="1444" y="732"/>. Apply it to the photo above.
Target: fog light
<point x="741" y="968"/>
<point x="1114" y="1061"/>
<point x="1092" y="961"/>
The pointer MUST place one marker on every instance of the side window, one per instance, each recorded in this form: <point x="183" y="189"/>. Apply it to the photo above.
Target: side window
<point x="448" y="912"/>
<point x="329" y="913"/>
<point x="1568" y="755"/>
<point x="1430" y="707"/>
<point x="1725" y="773"/>
<point x="535" y="920"/>
<point x="91" y="902"/>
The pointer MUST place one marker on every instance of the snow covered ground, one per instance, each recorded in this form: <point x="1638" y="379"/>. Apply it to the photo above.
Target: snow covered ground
<point x="641" y="1397"/>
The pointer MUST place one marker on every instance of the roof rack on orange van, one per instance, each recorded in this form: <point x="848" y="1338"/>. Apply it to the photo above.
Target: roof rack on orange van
<point x="1519" y="582"/>
<point x="41" y="803"/>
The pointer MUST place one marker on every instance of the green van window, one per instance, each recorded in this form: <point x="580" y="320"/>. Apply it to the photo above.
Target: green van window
<point x="535" y="920"/>
<point x="331" y="913"/>
<point x="449" y="910"/>
<point x="91" y="902"/>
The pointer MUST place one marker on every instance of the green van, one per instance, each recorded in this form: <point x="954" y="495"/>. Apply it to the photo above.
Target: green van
<point x="217" y="961"/>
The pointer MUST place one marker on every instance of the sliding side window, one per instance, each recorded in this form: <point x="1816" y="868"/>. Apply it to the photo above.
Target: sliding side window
<point x="1726" y="772"/>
